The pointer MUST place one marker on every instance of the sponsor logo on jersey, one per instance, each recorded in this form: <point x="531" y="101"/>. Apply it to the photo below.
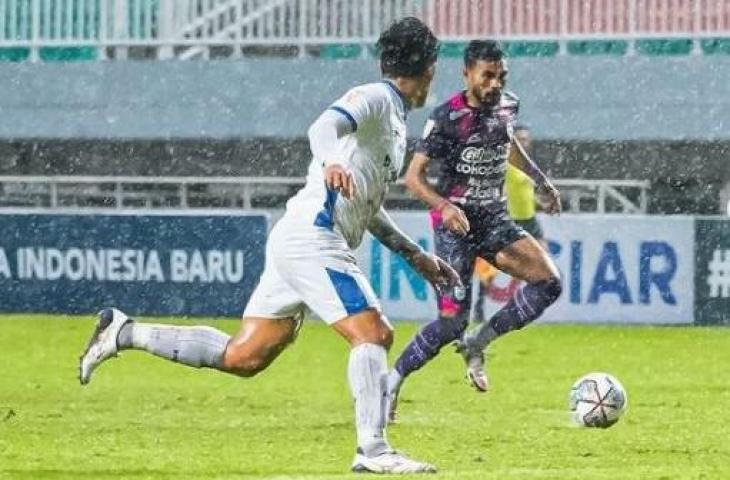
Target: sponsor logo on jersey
<point x="483" y="155"/>
<point x="479" y="169"/>
<point x="482" y="161"/>
<point x="491" y="193"/>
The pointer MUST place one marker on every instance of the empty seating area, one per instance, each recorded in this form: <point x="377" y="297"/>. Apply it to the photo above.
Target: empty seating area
<point x="61" y="30"/>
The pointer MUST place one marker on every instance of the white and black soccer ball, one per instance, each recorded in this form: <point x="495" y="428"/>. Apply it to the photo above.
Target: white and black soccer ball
<point x="597" y="400"/>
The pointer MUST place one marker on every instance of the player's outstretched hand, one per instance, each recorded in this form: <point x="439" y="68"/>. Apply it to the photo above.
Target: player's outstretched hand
<point x="455" y="219"/>
<point x="439" y="273"/>
<point x="338" y="178"/>
<point x="550" y="199"/>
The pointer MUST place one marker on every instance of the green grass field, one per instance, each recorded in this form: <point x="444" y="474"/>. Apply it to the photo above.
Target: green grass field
<point x="142" y="417"/>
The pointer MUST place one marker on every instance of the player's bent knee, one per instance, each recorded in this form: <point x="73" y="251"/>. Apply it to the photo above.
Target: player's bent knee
<point x="386" y="338"/>
<point x="367" y="326"/>
<point x="543" y="294"/>
<point x="553" y="288"/>
<point x="245" y="364"/>
<point x="246" y="368"/>
<point x="381" y="335"/>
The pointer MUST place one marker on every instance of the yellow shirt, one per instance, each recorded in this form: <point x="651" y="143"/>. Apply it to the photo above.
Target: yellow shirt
<point x="520" y="191"/>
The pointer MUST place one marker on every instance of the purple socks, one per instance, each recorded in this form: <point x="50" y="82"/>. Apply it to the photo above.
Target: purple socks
<point x="427" y="344"/>
<point x="526" y="305"/>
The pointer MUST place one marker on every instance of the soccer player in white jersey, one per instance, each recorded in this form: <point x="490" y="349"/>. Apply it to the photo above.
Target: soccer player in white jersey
<point x="358" y="147"/>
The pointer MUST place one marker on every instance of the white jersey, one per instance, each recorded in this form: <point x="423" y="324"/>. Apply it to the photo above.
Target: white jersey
<point x="374" y="153"/>
<point x="309" y="259"/>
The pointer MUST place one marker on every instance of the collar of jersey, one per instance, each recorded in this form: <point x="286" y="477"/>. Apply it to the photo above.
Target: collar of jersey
<point x="488" y="111"/>
<point x="400" y="95"/>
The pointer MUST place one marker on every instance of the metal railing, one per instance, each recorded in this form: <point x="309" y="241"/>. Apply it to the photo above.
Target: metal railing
<point x="187" y="28"/>
<point x="108" y="192"/>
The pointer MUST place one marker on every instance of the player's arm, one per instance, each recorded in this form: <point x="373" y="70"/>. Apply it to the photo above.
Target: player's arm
<point x="435" y="270"/>
<point x="415" y="179"/>
<point x="343" y="118"/>
<point x="521" y="159"/>
<point x="324" y="141"/>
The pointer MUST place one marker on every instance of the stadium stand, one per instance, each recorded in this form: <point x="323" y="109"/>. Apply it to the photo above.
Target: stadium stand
<point x="60" y="30"/>
<point x="74" y="127"/>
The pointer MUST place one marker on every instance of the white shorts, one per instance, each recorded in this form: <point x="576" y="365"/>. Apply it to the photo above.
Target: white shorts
<point x="310" y="268"/>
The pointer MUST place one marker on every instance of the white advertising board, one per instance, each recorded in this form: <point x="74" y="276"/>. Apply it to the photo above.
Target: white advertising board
<point x="615" y="269"/>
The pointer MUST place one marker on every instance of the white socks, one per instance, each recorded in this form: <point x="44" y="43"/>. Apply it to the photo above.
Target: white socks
<point x="394" y="381"/>
<point x="193" y="346"/>
<point x="368" y="375"/>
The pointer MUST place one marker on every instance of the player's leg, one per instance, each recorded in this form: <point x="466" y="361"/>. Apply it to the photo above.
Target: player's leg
<point x="525" y="260"/>
<point x="370" y="336"/>
<point x="269" y="324"/>
<point x="259" y="341"/>
<point x="453" y="309"/>
<point x="332" y="285"/>
<point x="452" y="320"/>
<point x="485" y="273"/>
<point x="199" y="346"/>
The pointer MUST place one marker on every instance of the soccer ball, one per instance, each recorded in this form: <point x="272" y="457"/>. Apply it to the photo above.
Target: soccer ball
<point x="597" y="400"/>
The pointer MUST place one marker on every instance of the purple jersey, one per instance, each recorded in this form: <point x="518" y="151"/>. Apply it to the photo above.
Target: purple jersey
<point x="469" y="148"/>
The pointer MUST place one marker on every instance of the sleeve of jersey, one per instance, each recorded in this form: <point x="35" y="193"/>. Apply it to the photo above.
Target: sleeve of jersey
<point x="324" y="137"/>
<point x="359" y="106"/>
<point x="433" y="141"/>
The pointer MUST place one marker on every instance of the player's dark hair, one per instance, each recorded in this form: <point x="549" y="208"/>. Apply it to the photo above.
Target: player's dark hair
<point x="407" y="48"/>
<point x="488" y="50"/>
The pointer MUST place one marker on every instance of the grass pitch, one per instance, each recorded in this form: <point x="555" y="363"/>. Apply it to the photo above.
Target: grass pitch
<point x="145" y="418"/>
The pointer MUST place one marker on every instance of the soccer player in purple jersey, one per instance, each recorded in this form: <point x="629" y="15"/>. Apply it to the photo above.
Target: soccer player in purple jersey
<point x="470" y="139"/>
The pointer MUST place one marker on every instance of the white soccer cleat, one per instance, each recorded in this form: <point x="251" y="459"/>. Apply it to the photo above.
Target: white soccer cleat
<point x="103" y="342"/>
<point x="475" y="374"/>
<point x="389" y="462"/>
